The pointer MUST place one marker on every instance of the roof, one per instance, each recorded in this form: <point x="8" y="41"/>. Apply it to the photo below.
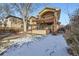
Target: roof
<point x="48" y="8"/>
<point x="13" y="16"/>
<point x="32" y="17"/>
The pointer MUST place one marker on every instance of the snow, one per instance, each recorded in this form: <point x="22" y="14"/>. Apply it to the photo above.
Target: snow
<point x="39" y="46"/>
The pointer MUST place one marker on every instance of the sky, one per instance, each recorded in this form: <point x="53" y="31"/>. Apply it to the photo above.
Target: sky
<point x="65" y="9"/>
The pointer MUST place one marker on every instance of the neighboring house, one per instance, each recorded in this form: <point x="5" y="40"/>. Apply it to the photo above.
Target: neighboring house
<point x="32" y="25"/>
<point x="13" y="22"/>
<point x="2" y="24"/>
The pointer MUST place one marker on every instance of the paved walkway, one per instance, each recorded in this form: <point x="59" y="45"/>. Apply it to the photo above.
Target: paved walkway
<point x="40" y="46"/>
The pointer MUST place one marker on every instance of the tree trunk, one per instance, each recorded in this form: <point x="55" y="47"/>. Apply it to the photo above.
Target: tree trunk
<point x="24" y="22"/>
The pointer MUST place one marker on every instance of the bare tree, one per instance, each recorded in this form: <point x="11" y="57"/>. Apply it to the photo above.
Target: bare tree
<point x="5" y="10"/>
<point x="24" y="9"/>
<point x="73" y="33"/>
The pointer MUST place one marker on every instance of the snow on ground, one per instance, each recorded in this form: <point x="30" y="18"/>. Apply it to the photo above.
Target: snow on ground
<point x="40" y="46"/>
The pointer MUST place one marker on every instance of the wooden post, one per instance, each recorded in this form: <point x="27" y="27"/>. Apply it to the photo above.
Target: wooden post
<point x="55" y="22"/>
<point x="31" y="29"/>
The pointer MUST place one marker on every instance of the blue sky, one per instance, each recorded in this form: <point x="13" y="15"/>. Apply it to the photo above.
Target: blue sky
<point x="65" y="7"/>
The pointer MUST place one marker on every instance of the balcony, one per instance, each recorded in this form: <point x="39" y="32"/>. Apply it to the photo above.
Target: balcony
<point x="46" y="20"/>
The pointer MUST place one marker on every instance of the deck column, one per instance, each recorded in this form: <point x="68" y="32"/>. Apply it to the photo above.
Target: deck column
<point x="55" y="22"/>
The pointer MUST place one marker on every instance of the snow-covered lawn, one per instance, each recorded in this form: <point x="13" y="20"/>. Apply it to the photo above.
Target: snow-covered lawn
<point x="39" y="46"/>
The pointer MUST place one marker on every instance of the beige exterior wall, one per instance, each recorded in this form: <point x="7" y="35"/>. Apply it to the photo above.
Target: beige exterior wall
<point x="8" y="23"/>
<point x="43" y="32"/>
<point x="56" y="27"/>
<point x="16" y="24"/>
<point x="2" y="25"/>
<point x="32" y="23"/>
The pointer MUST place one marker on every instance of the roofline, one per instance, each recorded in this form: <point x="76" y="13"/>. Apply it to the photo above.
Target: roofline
<point x="49" y="8"/>
<point x="13" y="16"/>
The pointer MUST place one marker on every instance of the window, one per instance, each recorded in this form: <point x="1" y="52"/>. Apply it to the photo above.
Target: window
<point x="53" y="14"/>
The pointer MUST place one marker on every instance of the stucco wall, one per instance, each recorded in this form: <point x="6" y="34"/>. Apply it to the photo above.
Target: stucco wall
<point x="43" y="32"/>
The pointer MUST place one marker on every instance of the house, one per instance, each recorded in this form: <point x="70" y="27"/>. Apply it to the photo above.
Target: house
<point x="49" y="18"/>
<point x="14" y="23"/>
<point x="0" y="24"/>
<point x="31" y="23"/>
<point x="47" y="21"/>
